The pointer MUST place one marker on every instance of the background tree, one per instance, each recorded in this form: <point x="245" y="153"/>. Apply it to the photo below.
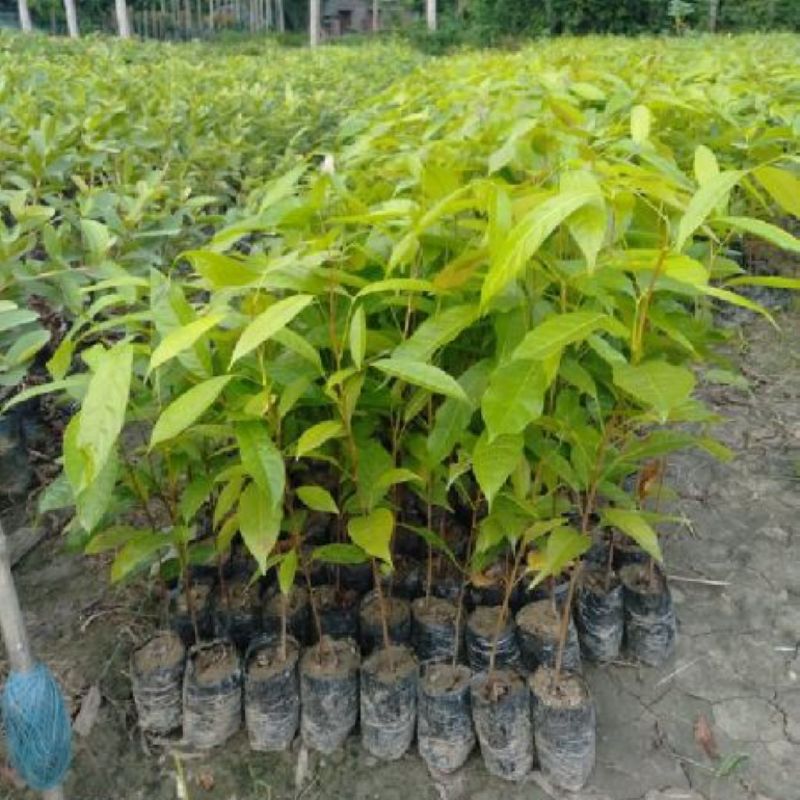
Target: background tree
<point x="72" y="18"/>
<point x="24" y="16"/>
<point x="313" y="22"/>
<point x="123" y="24"/>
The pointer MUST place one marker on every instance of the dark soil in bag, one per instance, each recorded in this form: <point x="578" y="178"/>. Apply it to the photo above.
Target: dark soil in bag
<point x="599" y="614"/>
<point x="406" y="578"/>
<point x="564" y="728"/>
<point x="444" y="725"/>
<point x="271" y="693"/>
<point x="157" y="676"/>
<point x="357" y="577"/>
<point x="491" y="595"/>
<point x="181" y="619"/>
<point x="447" y="580"/>
<point x="317" y="529"/>
<point x="479" y="637"/>
<point x="433" y="629"/>
<point x="298" y="614"/>
<point x="338" y="612"/>
<point x="389" y="680"/>
<point x="238" y="613"/>
<point x="502" y="716"/>
<point x="408" y="543"/>
<point x="524" y="595"/>
<point x="212" y="694"/>
<point x="329" y="693"/>
<point x="627" y="552"/>
<point x="650" y="624"/>
<point x="538" y="628"/>
<point x="398" y="613"/>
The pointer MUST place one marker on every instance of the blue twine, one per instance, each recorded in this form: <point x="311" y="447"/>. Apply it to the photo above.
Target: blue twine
<point x="37" y="727"/>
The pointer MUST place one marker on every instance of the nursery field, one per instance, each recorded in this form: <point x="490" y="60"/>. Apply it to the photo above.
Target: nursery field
<point x="435" y="415"/>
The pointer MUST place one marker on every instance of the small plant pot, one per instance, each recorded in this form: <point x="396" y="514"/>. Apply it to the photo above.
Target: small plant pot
<point x="502" y="716"/>
<point x="357" y="577"/>
<point x="538" y="629"/>
<point x="479" y="636"/>
<point x="650" y="625"/>
<point x="389" y="680"/>
<point x="237" y="614"/>
<point x="297" y="614"/>
<point x="338" y="612"/>
<point x="212" y="694"/>
<point x="433" y="630"/>
<point x="525" y="595"/>
<point x="444" y="728"/>
<point x="157" y="676"/>
<point x="627" y="552"/>
<point x="447" y="581"/>
<point x="564" y="728"/>
<point x="271" y="694"/>
<point x="398" y="613"/>
<point x="181" y="619"/>
<point x="599" y="614"/>
<point x="329" y="693"/>
<point x="405" y="580"/>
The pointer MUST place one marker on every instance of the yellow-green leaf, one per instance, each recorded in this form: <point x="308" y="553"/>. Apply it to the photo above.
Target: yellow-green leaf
<point x="373" y="533"/>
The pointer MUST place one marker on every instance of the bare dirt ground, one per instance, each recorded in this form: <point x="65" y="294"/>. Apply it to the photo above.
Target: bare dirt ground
<point x="734" y="677"/>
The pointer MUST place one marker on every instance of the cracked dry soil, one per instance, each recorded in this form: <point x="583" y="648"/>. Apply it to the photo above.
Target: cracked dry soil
<point x="737" y="661"/>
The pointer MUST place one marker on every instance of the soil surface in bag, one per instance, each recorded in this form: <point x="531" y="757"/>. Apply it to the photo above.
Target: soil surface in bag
<point x="538" y="629"/>
<point x="564" y="728"/>
<point x="433" y="629"/>
<point x="544" y="591"/>
<point x="157" y="677"/>
<point x="479" y="635"/>
<point x="502" y="716"/>
<point x="272" y="694"/>
<point x="297" y="614"/>
<point x="389" y="680"/>
<point x="329" y="693"/>
<point x="398" y="613"/>
<point x="338" y="612"/>
<point x="444" y="726"/>
<point x="650" y="625"/>
<point x="599" y="614"/>
<point x="202" y="593"/>
<point x="212" y="695"/>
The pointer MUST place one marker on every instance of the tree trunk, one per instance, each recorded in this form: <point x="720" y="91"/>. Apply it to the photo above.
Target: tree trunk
<point x="313" y="22"/>
<point x="188" y="17"/>
<point x="713" y="15"/>
<point x="211" y="15"/>
<point x="430" y="14"/>
<point x="375" y="21"/>
<point x="72" y="18"/>
<point x="281" y="19"/>
<point x="123" y="22"/>
<point x="25" y="16"/>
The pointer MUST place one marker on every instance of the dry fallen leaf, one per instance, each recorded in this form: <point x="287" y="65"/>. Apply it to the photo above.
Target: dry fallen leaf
<point x="87" y="716"/>
<point x="205" y="780"/>
<point x="704" y="737"/>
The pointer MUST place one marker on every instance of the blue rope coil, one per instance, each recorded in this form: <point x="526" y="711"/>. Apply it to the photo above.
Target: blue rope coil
<point x="37" y="727"/>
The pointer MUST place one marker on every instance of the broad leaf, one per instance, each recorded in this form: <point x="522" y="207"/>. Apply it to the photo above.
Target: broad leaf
<point x="339" y="554"/>
<point x="373" y="533"/>
<point x="317" y="499"/>
<point x="633" y="524"/>
<point x="261" y="458"/>
<point x="184" y="337"/>
<point x="317" y="435"/>
<point x="268" y="323"/>
<point x="425" y="375"/>
<point x="259" y="523"/>
<point x="706" y="199"/>
<point x="555" y="333"/>
<point x="564" y="545"/>
<point x="358" y="336"/>
<point x="657" y="384"/>
<point x="493" y="462"/>
<point x="764" y="230"/>
<point x="515" y="397"/>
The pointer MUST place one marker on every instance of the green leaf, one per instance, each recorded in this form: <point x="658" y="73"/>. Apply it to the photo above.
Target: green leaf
<point x="704" y="201"/>
<point x="184" y="337"/>
<point x="138" y="552"/>
<point x="220" y="270"/>
<point x="394" y="476"/>
<point x="515" y="397"/>
<point x="317" y="435"/>
<point x="267" y="324"/>
<point x="706" y="167"/>
<point x="659" y="385"/>
<point x="259" y="523"/>
<point x="782" y="186"/>
<point x="738" y="300"/>
<point x="373" y="533"/>
<point x="15" y="317"/>
<point x="641" y="119"/>
<point x="633" y="524"/>
<point x="26" y="346"/>
<point x="67" y="384"/>
<point x="527" y="237"/>
<point x="358" y="336"/>
<point x="435" y="332"/>
<point x="57" y="495"/>
<point x="773" y="281"/>
<point x="493" y="462"/>
<point x="764" y="230"/>
<point x="317" y="499"/>
<point x="297" y="344"/>
<point x="261" y="458"/>
<point x="434" y="540"/>
<point x="564" y="545"/>
<point x="398" y="285"/>
<point x="103" y="409"/>
<point x="112" y="538"/>
<point x="339" y="554"/>
<point x="187" y="408"/>
<point x="425" y="375"/>
<point x="92" y="502"/>
<point x="193" y="496"/>
<point x="96" y="238"/>
<point x="287" y="572"/>
<point x="554" y="334"/>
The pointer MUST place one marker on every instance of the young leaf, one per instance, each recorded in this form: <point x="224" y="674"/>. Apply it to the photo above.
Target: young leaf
<point x="425" y="375"/>
<point x="287" y="572"/>
<point x="633" y="524"/>
<point x="317" y="499"/>
<point x="358" y="336"/>
<point x="705" y="165"/>
<point x="317" y="435"/>
<point x="373" y="533"/>
<point x="339" y="554"/>
<point x="640" y="124"/>
<point x="267" y="324"/>
<point x="564" y="545"/>
<point x="436" y="332"/>
<point x="493" y="462"/>
<point x="138" y="552"/>
<point x="515" y="397"/>
<point x="261" y="458"/>
<point x="186" y="409"/>
<point x="764" y="230"/>
<point x="705" y="200"/>
<point x="555" y="333"/>
<point x="183" y="338"/>
<point x="657" y="384"/>
<point x="259" y="523"/>
<point x="783" y="187"/>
